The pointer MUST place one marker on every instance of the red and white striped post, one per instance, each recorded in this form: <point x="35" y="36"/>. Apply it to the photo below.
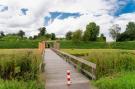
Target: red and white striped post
<point x="68" y="78"/>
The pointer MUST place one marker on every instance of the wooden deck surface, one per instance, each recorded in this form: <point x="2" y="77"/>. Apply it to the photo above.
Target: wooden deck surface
<point x="55" y="71"/>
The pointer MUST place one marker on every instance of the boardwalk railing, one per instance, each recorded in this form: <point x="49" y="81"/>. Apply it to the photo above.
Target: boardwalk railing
<point x="86" y="67"/>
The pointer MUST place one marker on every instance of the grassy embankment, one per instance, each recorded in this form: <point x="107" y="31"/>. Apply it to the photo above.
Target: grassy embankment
<point x="18" y="44"/>
<point x="19" y="69"/>
<point x="115" y="68"/>
<point x="130" y="45"/>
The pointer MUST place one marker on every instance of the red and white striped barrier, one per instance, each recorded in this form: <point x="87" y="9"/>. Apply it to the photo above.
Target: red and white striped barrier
<point x="68" y="78"/>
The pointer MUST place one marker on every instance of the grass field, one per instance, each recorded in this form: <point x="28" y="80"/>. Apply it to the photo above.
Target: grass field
<point x="98" y="45"/>
<point x="124" y="80"/>
<point x="18" y="44"/>
<point x="19" y="69"/>
<point x="115" y="68"/>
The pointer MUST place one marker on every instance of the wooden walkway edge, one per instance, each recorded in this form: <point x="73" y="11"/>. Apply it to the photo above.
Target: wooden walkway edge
<point x="55" y="71"/>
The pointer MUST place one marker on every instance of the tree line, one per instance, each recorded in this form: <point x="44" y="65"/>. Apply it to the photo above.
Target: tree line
<point x="127" y="35"/>
<point x="42" y="35"/>
<point x="92" y="33"/>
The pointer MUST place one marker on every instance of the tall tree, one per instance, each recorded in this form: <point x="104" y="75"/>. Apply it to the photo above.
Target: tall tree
<point x="69" y="35"/>
<point x="53" y="36"/>
<point x="21" y="33"/>
<point x="42" y="31"/>
<point x="91" y="33"/>
<point x="115" y="31"/>
<point x="77" y="36"/>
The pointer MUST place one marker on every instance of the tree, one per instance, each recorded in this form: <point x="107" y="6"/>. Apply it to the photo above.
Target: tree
<point x="21" y="33"/>
<point x="115" y="31"/>
<point x="35" y="37"/>
<point x="53" y="37"/>
<point x="91" y="32"/>
<point x="69" y="35"/>
<point x="129" y="34"/>
<point x="77" y="35"/>
<point x="102" y="38"/>
<point x="30" y="38"/>
<point x="42" y="31"/>
<point x="48" y="36"/>
<point x="2" y="34"/>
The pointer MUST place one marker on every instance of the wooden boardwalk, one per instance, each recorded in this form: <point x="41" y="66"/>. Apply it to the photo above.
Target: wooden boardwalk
<point x="55" y="71"/>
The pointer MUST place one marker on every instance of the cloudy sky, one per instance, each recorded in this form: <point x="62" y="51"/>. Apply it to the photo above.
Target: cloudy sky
<point x="60" y="16"/>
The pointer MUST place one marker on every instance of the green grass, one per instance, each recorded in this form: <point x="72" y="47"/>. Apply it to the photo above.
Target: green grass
<point x="124" y="80"/>
<point x="20" y="69"/>
<point x="14" y="84"/>
<point x="115" y="67"/>
<point x="98" y="45"/>
<point x="18" y="44"/>
<point x="108" y="60"/>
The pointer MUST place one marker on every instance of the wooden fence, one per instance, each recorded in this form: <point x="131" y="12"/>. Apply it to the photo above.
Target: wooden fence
<point x="86" y="67"/>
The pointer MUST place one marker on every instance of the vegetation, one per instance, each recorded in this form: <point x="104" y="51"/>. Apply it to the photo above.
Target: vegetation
<point x="77" y="36"/>
<point x="20" y="68"/>
<point x="14" y="43"/>
<point x="91" y="33"/>
<point x="14" y="84"/>
<point x="97" y="45"/>
<point x="69" y="35"/>
<point x="115" y="31"/>
<point x="123" y="80"/>
<point x="115" y="68"/>
<point x="129" y="34"/>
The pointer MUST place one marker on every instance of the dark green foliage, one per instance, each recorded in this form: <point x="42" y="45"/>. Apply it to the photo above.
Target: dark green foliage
<point x="2" y="34"/>
<point x="69" y="35"/>
<point x="21" y="33"/>
<point x="42" y="31"/>
<point x="102" y="38"/>
<point x="77" y="36"/>
<point x="53" y="36"/>
<point x="129" y="34"/>
<point x="91" y="33"/>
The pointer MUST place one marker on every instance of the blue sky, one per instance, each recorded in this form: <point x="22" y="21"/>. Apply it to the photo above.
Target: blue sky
<point x="61" y="16"/>
<point x="129" y="7"/>
<point x="3" y="8"/>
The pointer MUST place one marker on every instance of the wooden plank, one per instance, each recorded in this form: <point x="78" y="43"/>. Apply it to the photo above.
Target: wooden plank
<point x="82" y="61"/>
<point x="55" y="71"/>
<point x="77" y="58"/>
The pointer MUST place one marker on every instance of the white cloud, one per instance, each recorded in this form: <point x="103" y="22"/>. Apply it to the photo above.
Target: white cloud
<point x="99" y="11"/>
